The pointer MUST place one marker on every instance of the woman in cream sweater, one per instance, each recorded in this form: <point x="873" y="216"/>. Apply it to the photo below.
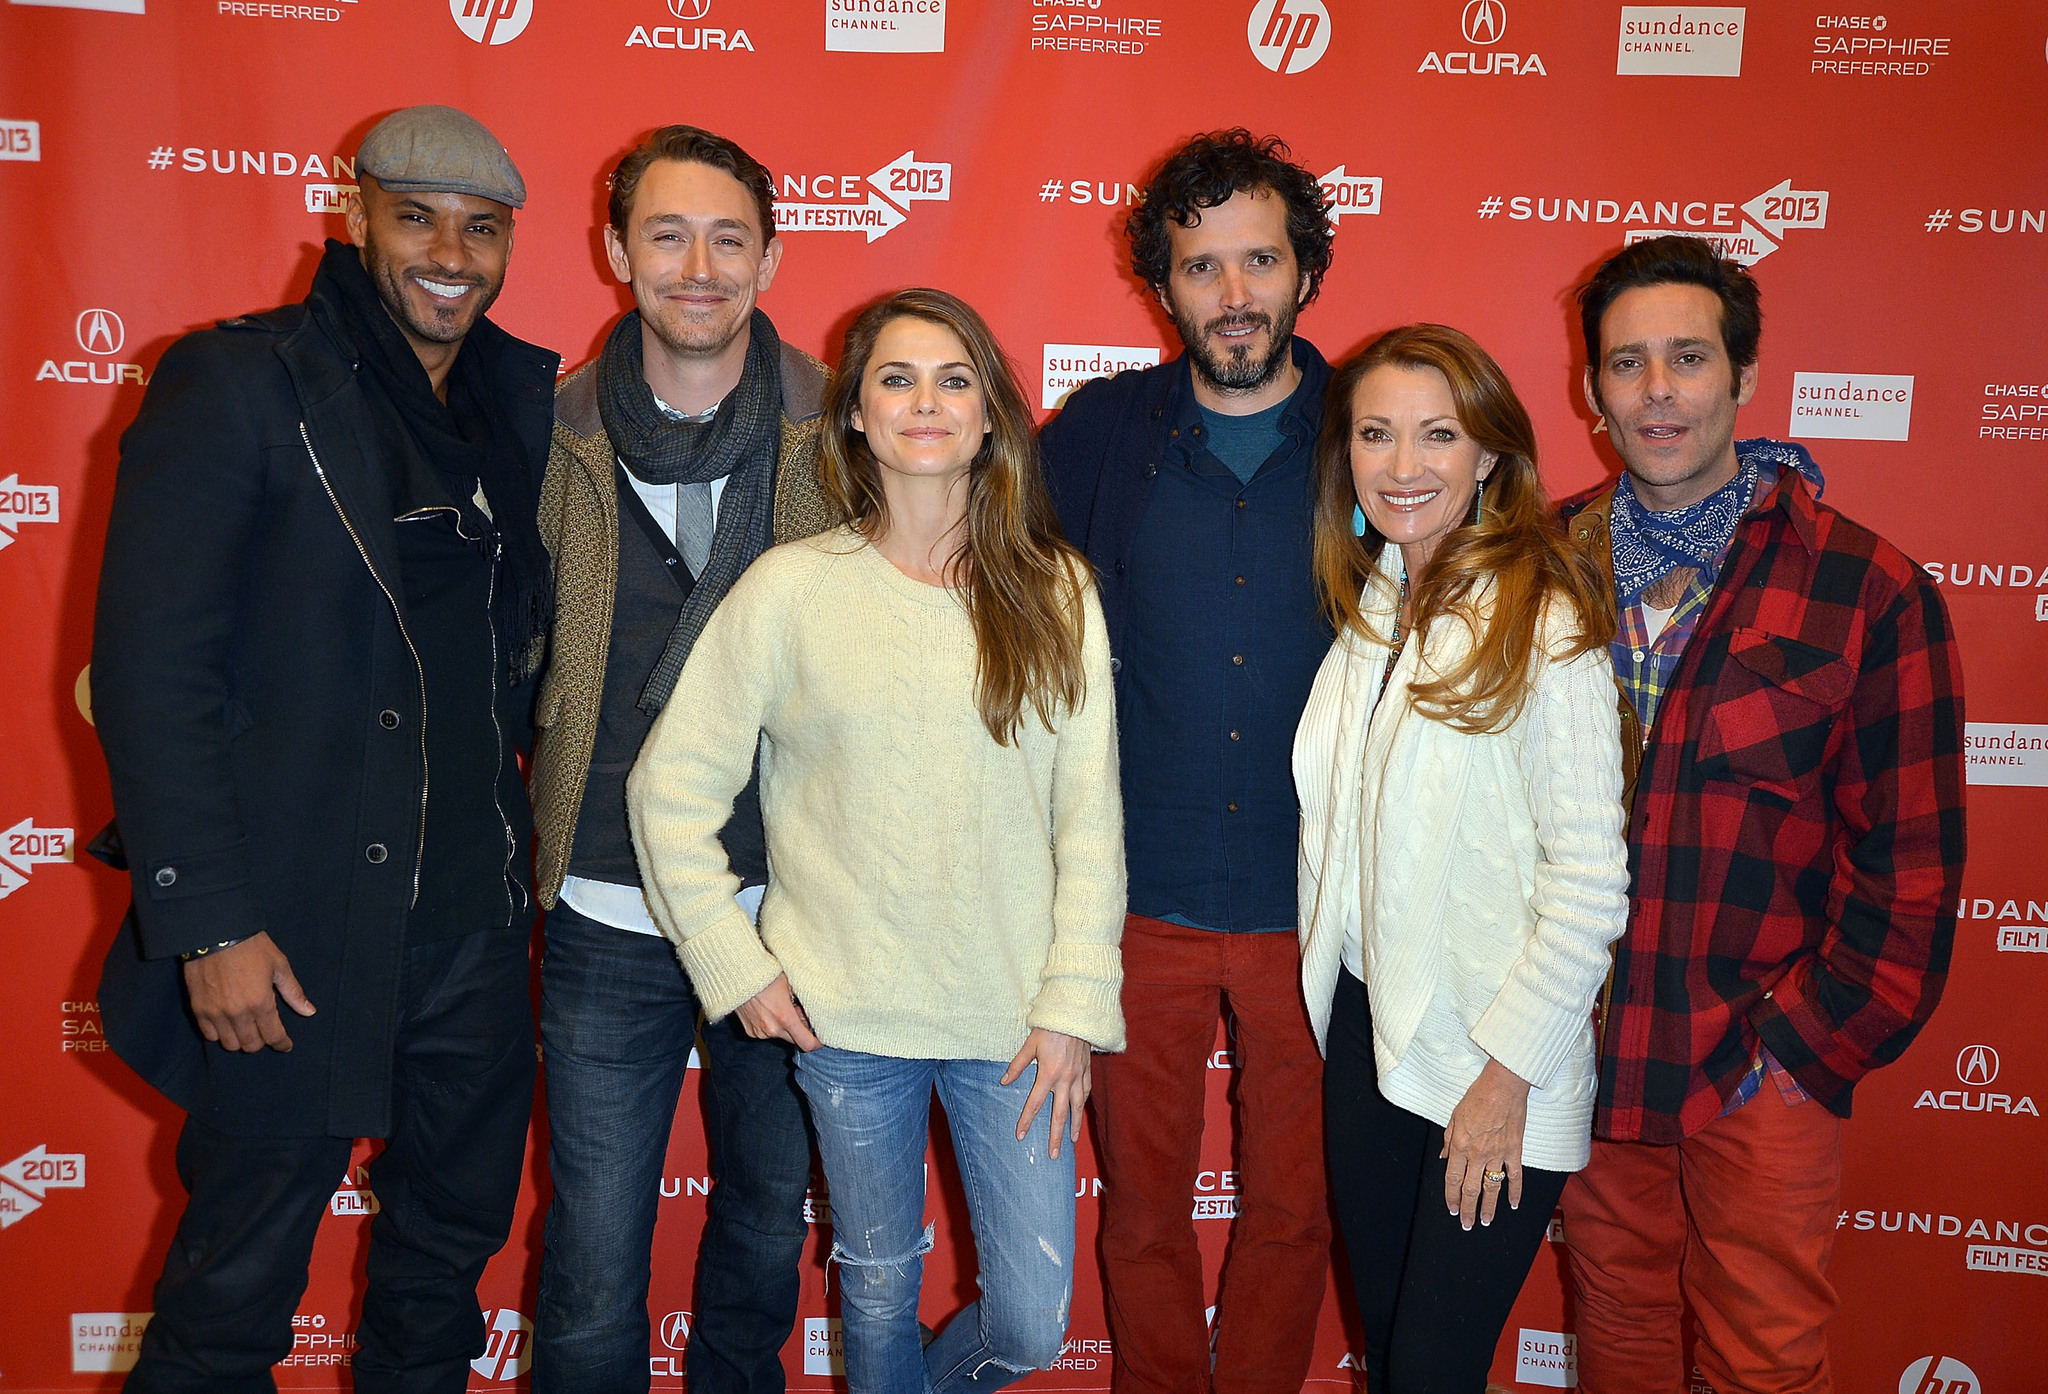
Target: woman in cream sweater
<point x="931" y="689"/>
<point x="1462" y="865"/>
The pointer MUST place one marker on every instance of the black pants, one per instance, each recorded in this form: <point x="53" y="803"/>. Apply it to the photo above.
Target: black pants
<point x="1432" y="1295"/>
<point x="446" y="1182"/>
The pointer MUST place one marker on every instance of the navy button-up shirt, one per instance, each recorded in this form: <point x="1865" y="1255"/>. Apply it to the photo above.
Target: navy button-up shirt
<point x="1222" y="642"/>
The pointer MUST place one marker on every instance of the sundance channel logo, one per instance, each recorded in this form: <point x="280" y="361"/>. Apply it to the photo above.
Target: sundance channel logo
<point x="1852" y="406"/>
<point x="1680" y="40"/>
<point x="885" y="26"/>
<point x="2006" y="753"/>
<point x="1067" y="366"/>
<point x="106" y="1342"/>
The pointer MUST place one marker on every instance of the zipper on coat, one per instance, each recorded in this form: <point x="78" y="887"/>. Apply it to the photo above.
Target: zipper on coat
<point x="498" y="733"/>
<point x="419" y="668"/>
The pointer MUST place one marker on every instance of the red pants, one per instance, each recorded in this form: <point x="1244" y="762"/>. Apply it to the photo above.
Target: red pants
<point x="1737" y="1222"/>
<point x="1148" y="1106"/>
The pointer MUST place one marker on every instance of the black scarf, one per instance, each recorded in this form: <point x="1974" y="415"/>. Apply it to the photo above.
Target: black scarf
<point x="464" y="444"/>
<point x="741" y="441"/>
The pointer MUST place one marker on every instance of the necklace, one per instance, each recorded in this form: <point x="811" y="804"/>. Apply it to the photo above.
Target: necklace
<point x="1395" y="641"/>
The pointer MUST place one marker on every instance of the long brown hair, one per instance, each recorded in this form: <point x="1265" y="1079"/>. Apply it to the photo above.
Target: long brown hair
<point x="1021" y="579"/>
<point x="1515" y="545"/>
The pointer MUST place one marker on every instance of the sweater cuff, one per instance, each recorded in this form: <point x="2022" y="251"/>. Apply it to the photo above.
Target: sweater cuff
<point x="727" y="964"/>
<point x="1081" y="994"/>
<point x="1528" y="1034"/>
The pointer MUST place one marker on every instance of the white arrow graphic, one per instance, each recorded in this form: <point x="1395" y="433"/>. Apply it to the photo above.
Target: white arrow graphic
<point x="25" y="844"/>
<point x="1785" y="207"/>
<point x="877" y="217"/>
<point x="907" y="181"/>
<point x="24" y="503"/>
<point x="1350" y="193"/>
<point x="15" y="1205"/>
<point x="40" y="1171"/>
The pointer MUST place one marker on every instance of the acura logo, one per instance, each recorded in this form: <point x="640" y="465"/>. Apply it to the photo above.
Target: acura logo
<point x="101" y="332"/>
<point x="689" y="9"/>
<point x="675" y="1327"/>
<point x="1978" y="1065"/>
<point x="1485" y="21"/>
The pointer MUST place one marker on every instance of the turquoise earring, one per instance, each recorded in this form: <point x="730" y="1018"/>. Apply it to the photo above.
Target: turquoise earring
<point x="1357" y="520"/>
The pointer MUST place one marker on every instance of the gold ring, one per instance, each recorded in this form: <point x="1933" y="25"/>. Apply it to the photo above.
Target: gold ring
<point x="1496" y="1177"/>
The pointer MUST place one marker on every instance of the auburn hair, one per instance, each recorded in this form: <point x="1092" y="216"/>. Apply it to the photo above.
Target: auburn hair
<point x="1514" y="550"/>
<point x="1021" y="582"/>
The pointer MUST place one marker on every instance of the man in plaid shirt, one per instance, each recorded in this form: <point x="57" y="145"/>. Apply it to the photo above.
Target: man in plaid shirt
<point x="1795" y="843"/>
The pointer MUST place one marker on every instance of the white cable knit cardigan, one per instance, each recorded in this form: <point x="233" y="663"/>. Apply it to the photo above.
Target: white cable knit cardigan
<point x="1493" y="867"/>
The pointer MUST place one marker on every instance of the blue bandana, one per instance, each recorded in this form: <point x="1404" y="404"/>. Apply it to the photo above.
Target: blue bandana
<point x="1648" y="545"/>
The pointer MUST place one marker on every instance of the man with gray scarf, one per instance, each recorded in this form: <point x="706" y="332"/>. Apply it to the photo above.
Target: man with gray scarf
<point x="684" y="452"/>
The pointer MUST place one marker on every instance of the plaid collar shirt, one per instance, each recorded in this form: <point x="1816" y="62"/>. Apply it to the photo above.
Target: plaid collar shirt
<point x="1796" y="838"/>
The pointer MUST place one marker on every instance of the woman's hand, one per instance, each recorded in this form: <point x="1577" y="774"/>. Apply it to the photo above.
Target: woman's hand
<point x="1062" y="1073"/>
<point x="773" y="1014"/>
<point x="1483" y="1145"/>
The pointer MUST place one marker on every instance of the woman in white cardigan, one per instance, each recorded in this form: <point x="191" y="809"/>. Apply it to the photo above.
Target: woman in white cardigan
<point x="1462" y="864"/>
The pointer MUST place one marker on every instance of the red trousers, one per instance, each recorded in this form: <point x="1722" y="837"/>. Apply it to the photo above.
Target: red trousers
<point x="1148" y="1105"/>
<point x="1736" y="1222"/>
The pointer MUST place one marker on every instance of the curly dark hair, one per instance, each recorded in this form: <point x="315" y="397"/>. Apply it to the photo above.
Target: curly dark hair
<point x="1204" y="172"/>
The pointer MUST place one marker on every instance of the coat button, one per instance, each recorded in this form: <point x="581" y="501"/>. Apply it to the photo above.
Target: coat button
<point x="1119" y="568"/>
<point x="1237" y="659"/>
<point x="376" y="852"/>
<point x="388" y="719"/>
<point x="1231" y="807"/>
<point x="1151" y="469"/>
<point x="167" y="876"/>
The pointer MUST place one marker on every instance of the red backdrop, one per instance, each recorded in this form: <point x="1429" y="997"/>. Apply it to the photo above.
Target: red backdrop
<point x="168" y="167"/>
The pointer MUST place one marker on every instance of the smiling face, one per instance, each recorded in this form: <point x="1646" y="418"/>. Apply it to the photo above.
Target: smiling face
<point x="1413" y="464"/>
<point x="695" y="254"/>
<point x="437" y="259"/>
<point x="1233" y="290"/>
<point x="922" y="407"/>
<point x="1669" y="392"/>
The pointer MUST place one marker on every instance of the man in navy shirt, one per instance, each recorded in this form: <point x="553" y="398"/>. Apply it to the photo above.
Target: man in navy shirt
<point x="1189" y="487"/>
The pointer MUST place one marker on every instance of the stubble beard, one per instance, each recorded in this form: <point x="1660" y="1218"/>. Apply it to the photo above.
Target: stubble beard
<point x="1237" y="371"/>
<point x="447" y="325"/>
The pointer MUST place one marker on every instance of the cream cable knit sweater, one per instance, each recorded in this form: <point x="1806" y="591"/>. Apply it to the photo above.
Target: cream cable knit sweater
<point x="1493" y="866"/>
<point x="932" y="894"/>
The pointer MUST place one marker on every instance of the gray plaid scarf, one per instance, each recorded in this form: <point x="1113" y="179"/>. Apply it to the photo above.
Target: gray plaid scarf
<point x="742" y="442"/>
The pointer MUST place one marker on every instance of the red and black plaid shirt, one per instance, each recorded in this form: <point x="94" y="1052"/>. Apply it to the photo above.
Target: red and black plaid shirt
<point x="1796" y="844"/>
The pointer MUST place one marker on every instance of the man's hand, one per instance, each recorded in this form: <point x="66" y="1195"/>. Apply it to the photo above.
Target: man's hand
<point x="772" y="1014"/>
<point x="1483" y="1145"/>
<point x="234" y="995"/>
<point x="1063" y="1064"/>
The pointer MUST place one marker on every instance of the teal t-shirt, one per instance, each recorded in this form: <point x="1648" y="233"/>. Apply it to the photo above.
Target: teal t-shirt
<point x="1243" y="443"/>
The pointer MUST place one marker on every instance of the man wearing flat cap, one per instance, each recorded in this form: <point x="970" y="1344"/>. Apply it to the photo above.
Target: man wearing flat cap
<point x="323" y="601"/>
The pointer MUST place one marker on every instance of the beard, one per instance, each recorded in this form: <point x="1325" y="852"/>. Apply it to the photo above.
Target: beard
<point x="441" y="324"/>
<point x="682" y="332"/>
<point x="1236" y="369"/>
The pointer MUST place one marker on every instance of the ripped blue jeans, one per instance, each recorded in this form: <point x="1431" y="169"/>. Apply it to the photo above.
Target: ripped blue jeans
<point x="872" y="1117"/>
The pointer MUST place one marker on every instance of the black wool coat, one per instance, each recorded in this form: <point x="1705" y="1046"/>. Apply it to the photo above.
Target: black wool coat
<point x="261" y="708"/>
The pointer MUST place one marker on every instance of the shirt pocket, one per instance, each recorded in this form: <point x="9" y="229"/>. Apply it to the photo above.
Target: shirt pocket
<point x="1772" y="711"/>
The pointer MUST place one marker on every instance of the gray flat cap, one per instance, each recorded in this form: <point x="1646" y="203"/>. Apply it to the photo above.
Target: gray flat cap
<point x="442" y="150"/>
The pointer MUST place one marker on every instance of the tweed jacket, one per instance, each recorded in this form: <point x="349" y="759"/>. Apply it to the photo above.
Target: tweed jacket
<point x="1796" y="841"/>
<point x="579" y="521"/>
